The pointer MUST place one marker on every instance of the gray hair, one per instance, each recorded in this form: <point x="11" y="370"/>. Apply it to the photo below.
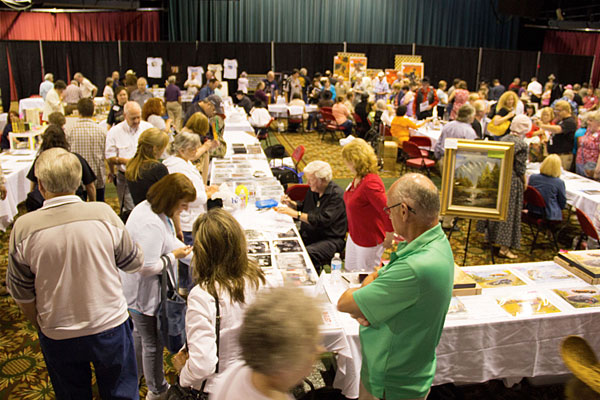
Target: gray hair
<point x="77" y="75"/>
<point x="142" y="79"/>
<point x="419" y="192"/>
<point x="593" y="116"/>
<point x="381" y="105"/>
<point x="172" y="79"/>
<point x="569" y="94"/>
<point x="130" y="106"/>
<point x="58" y="170"/>
<point x="49" y="77"/>
<point x="183" y="141"/>
<point x="465" y="113"/>
<point x="320" y="169"/>
<point x="279" y="329"/>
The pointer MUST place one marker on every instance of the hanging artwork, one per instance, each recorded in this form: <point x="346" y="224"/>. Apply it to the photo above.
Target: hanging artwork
<point x="341" y="66"/>
<point x="413" y="71"/>
<point x="358" y="65"/>
<point x="405" y="58"/>
<point x="391" y="75"/>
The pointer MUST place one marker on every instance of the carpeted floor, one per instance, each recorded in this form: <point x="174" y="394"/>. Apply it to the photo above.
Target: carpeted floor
<point x="22" y="370"/>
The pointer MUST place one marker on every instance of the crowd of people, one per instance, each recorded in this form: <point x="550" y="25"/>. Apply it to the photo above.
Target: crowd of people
<point x="91" y="279"/>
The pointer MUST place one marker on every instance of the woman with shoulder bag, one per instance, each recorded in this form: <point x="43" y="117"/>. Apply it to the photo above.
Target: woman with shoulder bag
<point x="504" y="112"/>
<point x="227" y="280"/>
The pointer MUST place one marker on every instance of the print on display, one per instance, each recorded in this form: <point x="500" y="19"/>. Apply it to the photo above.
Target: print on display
<point x="287" y="246"/>
<point x="580" y="297"/>
<point x="258" y="247"/>
<point x="476" y="179"/>
<point x="263" y="260"/>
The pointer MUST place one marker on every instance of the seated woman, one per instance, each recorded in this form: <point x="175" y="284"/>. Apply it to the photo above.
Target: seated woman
<point x="150" y="226"/>
<point x="280" y="341"/>
<point x="322" y="214"/>
<point x="227" y="280"/>
<point x="153" y="111"/>
<point x="296" y="102"/>
<point x="259" y="93"/>
<point x="259" y="116"/>
<point x="144" y="169"/>
<point x="54" y="136"/>
<point x="551" y="187"/>
<point x="13" y="116"/>
<point x="401" y="126"/>
<point x="342" y="116"/>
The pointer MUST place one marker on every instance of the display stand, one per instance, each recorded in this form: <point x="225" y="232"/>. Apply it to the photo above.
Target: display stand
<point x="487" y="227"/>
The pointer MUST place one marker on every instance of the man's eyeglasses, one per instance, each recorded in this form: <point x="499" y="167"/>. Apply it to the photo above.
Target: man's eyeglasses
<point x="387" y="209"/>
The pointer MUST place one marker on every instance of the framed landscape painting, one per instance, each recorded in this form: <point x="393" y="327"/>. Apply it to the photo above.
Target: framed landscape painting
<point x="476" y="179"/>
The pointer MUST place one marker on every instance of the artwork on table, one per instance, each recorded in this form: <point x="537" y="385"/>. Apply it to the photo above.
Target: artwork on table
<point x="588" y="261"/>
<point x="493" y="277"/>
<point x="580" y="297"/>
<point x="391" y="75"/>
<point x="252" y="234"/>
<point x="413" y="71"/>
<point x="592" y="192"/>
<point x="288" y="234"/>
<point x="290" y="260"/>
<point x="527" y="304"/>
<point x="287" y="246"/>
<point x="457" y="309"/>
<point x="263" y="260"/>
<point x="545" y="274"/>
<point x="358" y="65"/>
<point x="259" y="247"/>
<point x="476" y="179"/>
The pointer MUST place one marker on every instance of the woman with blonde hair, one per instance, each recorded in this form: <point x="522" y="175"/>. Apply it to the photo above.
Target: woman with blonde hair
<point x="150" y="226"/>
<point x="145" y="169"/>
<point x="504" y="112"/>
<point x="199" y="124"/>
<point x="551" y="187"/>
<point x="153" y="111"/>
<point x="226" y="281"/>
<point x="562" y="135"/>
<point x="369" y="227"/>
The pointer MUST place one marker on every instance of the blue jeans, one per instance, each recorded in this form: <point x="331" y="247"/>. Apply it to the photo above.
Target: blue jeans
<point x="184" y="270"/>
<point x="347" y="127"/>
<point x="111" y="352"/>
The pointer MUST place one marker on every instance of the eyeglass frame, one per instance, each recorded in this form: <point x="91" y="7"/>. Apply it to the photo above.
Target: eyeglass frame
<point x="387" y="209"/>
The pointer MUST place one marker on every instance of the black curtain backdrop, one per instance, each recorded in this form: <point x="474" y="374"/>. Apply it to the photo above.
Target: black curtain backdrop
<point x="316" y="57"/>
<point x="95" y="61"/>
<point x="448" y="63"/>
<point x="4" y="79"/>
<point x="507" y="65"/>
<point x="55" y="59"/>
<point x="566" y="68"/>
<point x="26" y="67"/>
<point x="380" y="56"/>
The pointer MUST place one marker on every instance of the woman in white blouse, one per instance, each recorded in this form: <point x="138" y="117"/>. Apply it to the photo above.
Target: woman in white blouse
<point x="150" y="226"/>
<point x="225" y="275"/>
<point x="185" y="148"/>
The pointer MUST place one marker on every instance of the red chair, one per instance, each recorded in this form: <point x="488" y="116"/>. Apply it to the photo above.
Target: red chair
<point x="415" y="158"/>
<point x="587" y="227"/>
<point x="296" y="119"/>
<point x="330" y="125"/>
<point x="297" y="155"/>
<point x="423" y="142"/>
<point x="297" y="192"/>
<point x="533" y="197"/>
<point x="263" y="133"/>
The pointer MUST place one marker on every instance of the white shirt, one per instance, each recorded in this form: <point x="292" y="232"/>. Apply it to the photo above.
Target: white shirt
<point x="87" y="88"/>
<point x="243" y="84"/>
<point x="230" y="68"/>
<point x="108" y="93"/>
<point x="442" y="96"/>
<point x="154" y="234"/>
<point x="187" y="217"/>
<point x="122" y="141"/>
<point x="259" y="117"/>
<point x="535" y="88"/>
<point x="52" y="104"/>
<point x="236" y="384"/>
<point x="200" y="330"/>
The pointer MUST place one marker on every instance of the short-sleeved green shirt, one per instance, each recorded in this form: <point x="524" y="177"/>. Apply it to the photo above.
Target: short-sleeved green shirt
<point x="406" y="306"/>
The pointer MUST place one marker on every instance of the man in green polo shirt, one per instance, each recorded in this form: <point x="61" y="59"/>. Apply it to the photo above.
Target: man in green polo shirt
<point x="402" y="307"/>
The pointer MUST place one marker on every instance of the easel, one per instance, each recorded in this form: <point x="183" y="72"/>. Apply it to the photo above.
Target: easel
<point x="487" y="226"/>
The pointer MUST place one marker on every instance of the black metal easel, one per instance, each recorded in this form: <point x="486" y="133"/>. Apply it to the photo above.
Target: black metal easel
<point x="487" y="226"/>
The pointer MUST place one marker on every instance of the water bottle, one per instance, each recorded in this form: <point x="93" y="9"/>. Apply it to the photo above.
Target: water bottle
<point x="336" y="268"/>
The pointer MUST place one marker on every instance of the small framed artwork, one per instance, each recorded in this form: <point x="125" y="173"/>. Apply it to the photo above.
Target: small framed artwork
<point x="476" y="179"/>
<point x="413" y="71"/>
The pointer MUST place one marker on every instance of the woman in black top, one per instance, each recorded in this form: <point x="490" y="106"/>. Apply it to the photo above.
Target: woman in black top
<point x="116" y="115"/>
<point x="5" y="142"/>
<point x="562" y="134"/>
<point x="54" y="136"/>
<point x="144" y="169"/>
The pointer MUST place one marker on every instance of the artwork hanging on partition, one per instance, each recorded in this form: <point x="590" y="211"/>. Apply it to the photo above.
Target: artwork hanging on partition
<point x="358" y="65"/>
<point x="413" y="71"/>
<point x="405" y="58"/>
<point x="391" y="75"/>
<point x="341" y="66"/>
<point x="476" y="179"/>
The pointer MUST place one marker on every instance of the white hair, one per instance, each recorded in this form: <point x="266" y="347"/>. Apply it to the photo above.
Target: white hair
<point x="569" y="94"/>
<point x="184" y="141"/>
<point x="58" y="170"/>
<point x="320" y="169"/>
<point x="131" y="106"/>
<point x="49" y="77"/>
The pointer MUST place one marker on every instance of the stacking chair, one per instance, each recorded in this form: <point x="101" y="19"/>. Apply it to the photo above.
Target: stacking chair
<point x="297" y="192"/>
<point x="296" y="116"/>
<point x="330" y="125"/>
<point x="415" y="159"/>
<point x="423" y="142"/>
<point x="538" y="223"/>
<point x="588" y="230"/>
<point x="263" y="133"/>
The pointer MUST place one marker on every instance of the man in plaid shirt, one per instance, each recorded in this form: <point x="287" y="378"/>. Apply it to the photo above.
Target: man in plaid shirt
<point x="88" y="139"/>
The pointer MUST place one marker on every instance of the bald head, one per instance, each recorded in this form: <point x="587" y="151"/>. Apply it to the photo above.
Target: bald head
<point x="420" y="193"/>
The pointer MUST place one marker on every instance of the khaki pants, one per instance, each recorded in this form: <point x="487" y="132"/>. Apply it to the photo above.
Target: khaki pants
<point x="174" y="111"/>
<point x="363" y="394"/>
<point x="566" y="160"/>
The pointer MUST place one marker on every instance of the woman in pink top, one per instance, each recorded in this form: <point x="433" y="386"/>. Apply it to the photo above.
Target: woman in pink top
<point x="460" y="97"/>
<point x="342" y="115"/>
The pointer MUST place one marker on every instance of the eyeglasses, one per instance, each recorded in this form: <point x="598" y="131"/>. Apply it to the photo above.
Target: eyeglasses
<point x="387" y="209"/>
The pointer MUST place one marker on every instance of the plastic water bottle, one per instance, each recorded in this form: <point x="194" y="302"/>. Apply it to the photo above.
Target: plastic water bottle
<point x="336" y="268"/>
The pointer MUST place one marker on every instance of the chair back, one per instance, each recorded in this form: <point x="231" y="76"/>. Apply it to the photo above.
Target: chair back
<point x="386" y="130"/>
<point x="295" y="111"/>
<point x="298" y="154"/>
<point x="587" y="226"/>
<point x="421" y="141"/>
<point x="411" y="149"/>
<point x="357" y="118"/>
<point x="533" y="197"/>
<point x="297" y="192"/>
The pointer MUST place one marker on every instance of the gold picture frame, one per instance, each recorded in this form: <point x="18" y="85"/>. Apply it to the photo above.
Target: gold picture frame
<point x="476" y="179"/>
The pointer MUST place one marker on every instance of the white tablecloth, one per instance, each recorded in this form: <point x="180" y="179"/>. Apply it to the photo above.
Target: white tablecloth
<point x="30" y="103"/>
<point x="15" y="167"/>
<point x="3" y="120"/>
<point x="489" y="343"/>
<point x="432" y="133"/>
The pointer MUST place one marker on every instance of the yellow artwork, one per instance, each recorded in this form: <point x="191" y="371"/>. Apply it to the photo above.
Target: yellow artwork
<point x="358" y="65"/>
<point x="527" y="304"/>
<point x="494" y="277"/>
<point x="413" y="71"/>
<point x="341" y="66"/>
<point x="405" y="58"/>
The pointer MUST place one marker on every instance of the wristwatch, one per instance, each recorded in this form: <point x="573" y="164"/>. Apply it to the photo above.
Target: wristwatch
<point x="299" y="215"/>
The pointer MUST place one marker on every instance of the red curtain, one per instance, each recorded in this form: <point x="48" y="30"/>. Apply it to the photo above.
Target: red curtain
<point x="73" y="27"/>
<point x="576" y="43"/>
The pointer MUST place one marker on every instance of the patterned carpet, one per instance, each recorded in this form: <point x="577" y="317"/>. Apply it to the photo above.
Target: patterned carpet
<point x="22" y="370"/>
